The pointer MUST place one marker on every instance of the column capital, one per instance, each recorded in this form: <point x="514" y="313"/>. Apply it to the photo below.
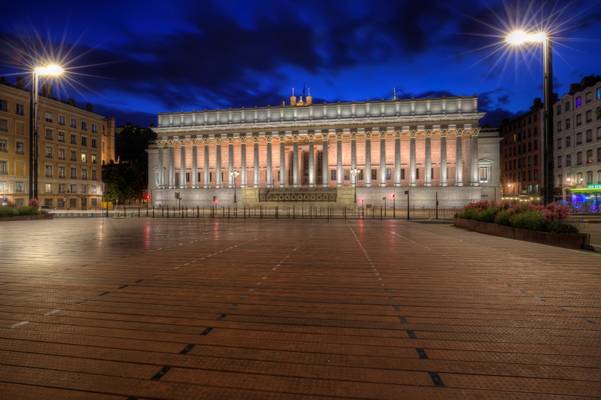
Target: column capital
<point x="444" y="133"/>
<point x="428" y="133"/>
<point x="413" y="133"/>
<point x="475" y="132"/>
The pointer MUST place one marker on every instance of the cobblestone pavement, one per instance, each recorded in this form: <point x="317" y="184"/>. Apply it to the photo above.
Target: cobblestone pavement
<point x="303" y="309"/>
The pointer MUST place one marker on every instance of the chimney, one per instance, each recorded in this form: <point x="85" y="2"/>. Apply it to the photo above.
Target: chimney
<point x="293" y="98"/>
<point x="309" y="98"/>
<point x="46" y="90"/>
<point x="20" y="82"/>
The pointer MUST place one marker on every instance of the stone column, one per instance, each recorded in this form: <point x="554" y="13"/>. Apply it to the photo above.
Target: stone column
<point x="207" y="171"/>
<point x="397" y="159"/>
<point x="443" y="159"/>
<point x="428" y="161"/>
<point x="382" y="158"/>
<point x="282" y="160"/>
<point x="256" y="162"/>
<point x="243" y="178"/>
<point x="325" y="165"/>
<point x="230" y="163"/>
<point x="269" y="172"/>
<point x="161" y="179"/>
<point x="367" y="171"/>
<point x="458" y="160"/>
<point x="412" y="166"/>
<point x="295" y="180"/>
<point x="353" y="157"/>
<point x="182" y="165"/>
<point x="311" y="160"/>
<point x="339" y="173"/>
<point x="218" y="180"/>
<point x="194" y="176"/>
<point x="171" y="167"/>
<point x="474" y="158"/>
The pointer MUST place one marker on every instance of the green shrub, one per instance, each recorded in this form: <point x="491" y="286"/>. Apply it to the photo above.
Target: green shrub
<point x="8" y="212"/>
<point x="533" y="220"/>
<point x="27" y="210"/>
<point x="488" y="214"/>
<point x="503" y="218"/>
<point x="561" y="227"/>
<point x="469" y="213"/>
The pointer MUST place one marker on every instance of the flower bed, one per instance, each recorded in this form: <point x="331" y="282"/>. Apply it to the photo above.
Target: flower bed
<point x="524" y="222"/>
<point x="30" y="211"/>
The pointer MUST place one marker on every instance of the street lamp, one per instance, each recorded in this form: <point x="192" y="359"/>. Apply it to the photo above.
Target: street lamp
<point x="234" y="174"/>
<point x="354" y="173"/>
<point x="48" y="70"/>
<point x="519" y="38"/>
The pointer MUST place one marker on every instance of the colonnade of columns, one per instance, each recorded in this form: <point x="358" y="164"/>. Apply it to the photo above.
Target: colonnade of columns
<point x="212" y="175"/>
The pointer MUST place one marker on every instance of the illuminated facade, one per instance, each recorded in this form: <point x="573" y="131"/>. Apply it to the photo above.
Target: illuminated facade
<point x="305" y="152"/>
<point x="73" y="145"/>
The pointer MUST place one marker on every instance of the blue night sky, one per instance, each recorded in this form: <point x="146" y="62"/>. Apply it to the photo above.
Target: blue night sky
<point x="133" y="59"/>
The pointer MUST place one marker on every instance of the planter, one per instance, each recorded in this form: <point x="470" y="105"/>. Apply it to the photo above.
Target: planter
<point x="26" y="217"/>
<point x="567" y="240"/>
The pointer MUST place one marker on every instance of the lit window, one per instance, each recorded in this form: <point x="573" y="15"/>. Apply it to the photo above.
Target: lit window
<point x="83" y="157"/>
<point x="578" y="101"/>
<point x="48" y="188"/>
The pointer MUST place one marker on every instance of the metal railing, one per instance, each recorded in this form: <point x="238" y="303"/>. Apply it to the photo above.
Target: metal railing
<point x="277" y="212"/>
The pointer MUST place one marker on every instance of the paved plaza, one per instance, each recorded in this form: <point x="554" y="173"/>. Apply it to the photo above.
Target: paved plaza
<point x="292" y="309"/>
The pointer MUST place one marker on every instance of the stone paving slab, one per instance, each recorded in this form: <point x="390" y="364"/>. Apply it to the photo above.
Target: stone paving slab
<point x="294" y="309"/>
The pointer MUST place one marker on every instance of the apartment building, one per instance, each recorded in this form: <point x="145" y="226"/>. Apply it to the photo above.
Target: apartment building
<point x="73" y="144"/>
<point x="577" y="135"/>
<point x="521" y="153"/>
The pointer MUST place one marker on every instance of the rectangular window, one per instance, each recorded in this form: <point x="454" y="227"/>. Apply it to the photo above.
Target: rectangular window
<point x="3" y="105"/>
<point x="566" y="106"/>
<point x="93" y="143"/>
<point x="417" y="173"/>
<point x="48" y="188"/>
<point x="48" y="171"/>
<point x="332" y="174"/>
<point x="402" y="173"/>
<point x="73" y="188"/>
<point x="589" y="135"/>
<point x="94" y="128"/>
<point x="558" y="126"/>
<point x="3" y="145"/>
<point x="4" y="125"/>
<point x="3" y="167"/>
<point x="95" y="176"/>
<point x="73" y="202"/>
<point x="374" y="174"/>
<point x="558" y="161"/>
<point x="48" y="202"/>
<point x="388" y="174"/>
<point x="49" y="134"/>
<point x="83" y="157"/>
<point x="61" y="172"/>
<point x="61" y="120"/>
<point x="567" y="123"/>
<point x="73" y="123"/>
<point x="48" y="152"/>
<point x="578" y="119"/>
<point x="589" y="116"/>
<point x="19" y="147"/>
<point x="589" y="156"/>
<point x="62" y="188"/>
<point x="568" y="160"/>
<point x="579" y="158"/>
<point x="84" y="173"/>
<point x="48" y="117"/>
<point x="559" y="143"/>
<point x="579" y="138"/>
<point x="588" y="97"/>
<point x="19" y="109"/>
<point x="61" y="154"/>
<point x="84" y="141"/>
<point x="93" y="158"/>
<point x="73" y="155"/>
<point x="598" y="93"/>
<point x="73" y="173"/>
<point x="84" y="126"/>
<point x="568" y="141"/>
<point x="73" y="139"/>
<point x="19" y="187"/>
<point x="61" y="136"/>
<point x="589" y="177"/>
<point x="578" y="102"/>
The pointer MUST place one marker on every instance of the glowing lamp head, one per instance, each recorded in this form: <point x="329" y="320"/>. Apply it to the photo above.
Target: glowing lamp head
<point x="53" y="70"/>
<point x="520" y="37"/>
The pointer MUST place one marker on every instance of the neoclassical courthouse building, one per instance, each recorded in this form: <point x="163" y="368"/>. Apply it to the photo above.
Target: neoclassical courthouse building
<point x="330" y="154"/>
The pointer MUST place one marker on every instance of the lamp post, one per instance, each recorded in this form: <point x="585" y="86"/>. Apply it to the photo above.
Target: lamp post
<point x="354" y="173"/>
<point x="394" y="205"/>
<point x="234" y="174"/>
<point x="519" y="38"/>
<point x="49" y="70"/>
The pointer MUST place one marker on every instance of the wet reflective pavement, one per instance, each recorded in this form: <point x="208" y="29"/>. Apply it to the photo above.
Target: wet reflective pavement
<point x="294" y="309"/>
